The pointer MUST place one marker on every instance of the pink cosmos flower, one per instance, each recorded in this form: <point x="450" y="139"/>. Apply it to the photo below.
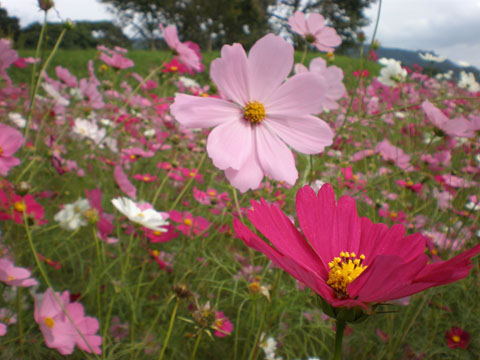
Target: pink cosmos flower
<point x="460" y="127"/>
<point x="390" y="152"/>
<point x="188" y="52"/>
<point x="96" y="215"/>
<point x="10" y="141"/>
<point x="15" y="276"/>
<point x="349" y="261"/>
<point x="65" y="75"/>
<point x="259" y="115"/>
<point x="117" y="61"/>
<point x="7" y="57"/>
<point x="332" y="77"/>
<point x="314" y="31"/>
<point x="123" y="182"/>
<point x="62" y="332"/>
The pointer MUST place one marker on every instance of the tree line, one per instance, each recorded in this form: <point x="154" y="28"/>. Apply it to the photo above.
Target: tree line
<point x="210" y="23"/>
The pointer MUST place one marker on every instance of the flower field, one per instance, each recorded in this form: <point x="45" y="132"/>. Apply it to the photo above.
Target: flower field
<point x="263" y="204"/>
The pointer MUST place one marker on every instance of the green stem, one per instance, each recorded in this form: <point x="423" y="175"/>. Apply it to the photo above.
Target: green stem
<point x="39" y="80"/>
<point x="187" y="185"/>
<point x="19" y="318"/>
<point x="170" y="327"/>
<point x="339" y="339"/>
<point x="195" y="347"/>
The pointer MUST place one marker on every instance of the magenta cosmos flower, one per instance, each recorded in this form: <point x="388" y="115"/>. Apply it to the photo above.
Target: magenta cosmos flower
<point x="314" y="31"/>
<point x="259" y="114"/>
<point x="349" y="261"/>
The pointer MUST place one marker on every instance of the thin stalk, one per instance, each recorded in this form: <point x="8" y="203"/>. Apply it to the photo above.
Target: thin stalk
<point x="39" y="80"/>
<point x="187" y="185"/>
<point x="195" y="347"/>
<point x="169" y="332"/>
<point x="19" y="318"/>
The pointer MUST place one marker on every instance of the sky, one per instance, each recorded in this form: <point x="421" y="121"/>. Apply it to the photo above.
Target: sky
<point x="447" y="27"/>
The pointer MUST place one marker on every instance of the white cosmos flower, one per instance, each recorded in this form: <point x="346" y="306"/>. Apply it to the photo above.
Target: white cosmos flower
<point x="143" y="214"/>
<point x="392" y="72"/>
<point x="71" y="216"/>
<point x="467" y="81"/>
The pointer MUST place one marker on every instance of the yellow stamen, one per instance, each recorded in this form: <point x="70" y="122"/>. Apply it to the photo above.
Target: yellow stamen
<point x="1" y="151"/>
<point x="254" y="112"/>
<point x="157" y="233"/>
<point x="343" y="270"/>
<point x="49" y="322"/>
<point x="19" y="206"/>
<point x="409" y="183"/>
<point x="187" y="222"/>
<point x="155" y="253"/>
<point x="174" y="68"/>
<point x="219" y="323"/>
<point x="10" y="278"/>
<point x="456" y="338"/>
<point x="393" y="215"/>
<point x="133" y="157"/>
<point x="146" y="178"/>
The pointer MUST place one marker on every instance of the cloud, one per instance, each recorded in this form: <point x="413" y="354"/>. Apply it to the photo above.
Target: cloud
<point x="446" y="27"/>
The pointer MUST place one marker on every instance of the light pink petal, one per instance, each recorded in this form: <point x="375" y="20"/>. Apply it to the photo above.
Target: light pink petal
<point x="460" y="127"/>
<point x="249" y="176"/>
<point x="315" y="23"/>
<point x="170" y="35"/>
<point x="123" y="183"/>
<point x="275" y="157"/>
<point x="3" y="329"/>
<point x="307" y="134"/>
<point x="434" y="114"/>
<point x="200" y="112"/>
<point x="62" y="338"/>
<point x="298" y="23"/>
<point x="327" y="39"/>
<point x="300" y="68"/>
<point x="302" y="94"/>
<point x="318" y="66"/>
<point x="230" y="73"/>
<point x="6" y="163"/>
<point x="270" y="61"/>
<point x="10" y="140"/>
<point x="229" y="144"/>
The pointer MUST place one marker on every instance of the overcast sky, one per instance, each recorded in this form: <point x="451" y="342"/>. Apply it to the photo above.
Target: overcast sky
<point x="447" y="27"/>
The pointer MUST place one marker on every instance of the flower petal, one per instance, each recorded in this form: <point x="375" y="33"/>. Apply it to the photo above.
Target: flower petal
<point x="200" y="112"/>
<point x="282" y="233"/>
<point x="270" y="61"/>
<point x="230" y="73"/>
<point x="249" y="175"/>
<point x="229" y="144"/>
<point x="302" y="94"/>
<point x="275" y="157"/>
<point x="306" y="134"/>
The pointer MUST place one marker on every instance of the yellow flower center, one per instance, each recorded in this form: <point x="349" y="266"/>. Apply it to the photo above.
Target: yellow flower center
<point x="343" y="270"/>
<point x="187" y="222"/>
<point x="174" y="68"/>
<point x="409" y="183"/>
<point x="456" y="338"/>
<point x="49" y="322"/>
<point x="1" y="151"/>
<point x="19" y="206"/>
<point x="157" y="233"/>
<point x="254" y="112"/>
<point x="10" y="278"/>
<point x="219" y="323"/>
<point x="155" y="253"/>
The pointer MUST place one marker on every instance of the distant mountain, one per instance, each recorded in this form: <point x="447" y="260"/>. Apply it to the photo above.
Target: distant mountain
<point x="409" y="58"/>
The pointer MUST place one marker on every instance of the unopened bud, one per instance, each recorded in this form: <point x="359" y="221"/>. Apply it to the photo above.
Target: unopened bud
<point x="46" y="5"/>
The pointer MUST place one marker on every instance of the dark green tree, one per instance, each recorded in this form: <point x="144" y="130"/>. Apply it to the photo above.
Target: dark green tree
<point x="84" y="35"/>
<point x="206" y="22"/>
<point x="9" y="25"/>
<point x="346" y="16"/>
